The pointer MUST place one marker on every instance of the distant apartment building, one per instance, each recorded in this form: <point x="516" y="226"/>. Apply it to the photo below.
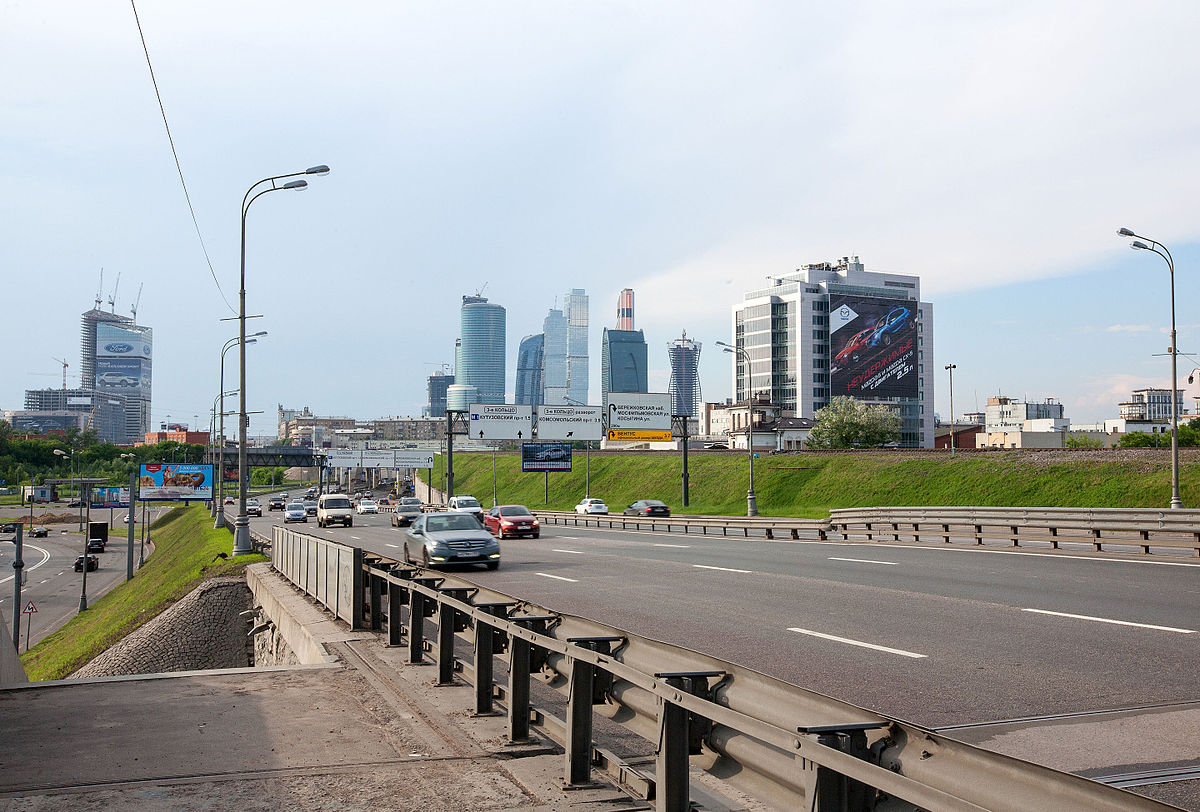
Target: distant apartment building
<point x="481" y="358"/>
<point x="578" y="368"/>
<point x="1150" y="404"/>
<point x="622" y="362"/>
<point x="1009" y="414"/>
<point x="530" y="360"/>
<point x="684" y="387"/>
<point x="184" y="436"/>
<point x="835" y="328"/>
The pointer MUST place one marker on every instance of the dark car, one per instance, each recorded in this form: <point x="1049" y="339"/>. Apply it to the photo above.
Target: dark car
<point x="647" y="507"/>
<point x="438" y="539"/>
<point x="75" y="503"/>
<point x="95" y="545"/>
<point x="9" y="527"/>
<point x="892" y="323"/>
<point x="93" y="563"/>
<point x="407" y="510"/>
<point x="275" y="503"/>
<point x="512" y="520"/>
<point x="310" y="507"/>
<point x="40" y="532"/>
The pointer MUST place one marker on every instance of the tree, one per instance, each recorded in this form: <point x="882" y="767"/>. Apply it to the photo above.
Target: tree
<point x="850" y="423"/>
<point x="1083" y="441"/>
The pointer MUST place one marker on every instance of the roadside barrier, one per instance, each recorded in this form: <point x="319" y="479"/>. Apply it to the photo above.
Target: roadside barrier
<point x="792" y="748"/>
<point x="770" y="526"/>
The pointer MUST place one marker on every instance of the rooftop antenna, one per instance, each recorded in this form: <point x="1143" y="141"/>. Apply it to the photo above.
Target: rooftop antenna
<point x="112" y="299"/>
<point x="100" y="290"/>
<point x="65" y="365"/>
<point x="133" y="308"/>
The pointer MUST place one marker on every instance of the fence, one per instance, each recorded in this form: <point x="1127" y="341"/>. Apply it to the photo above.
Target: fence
<point x="792" y="748"/>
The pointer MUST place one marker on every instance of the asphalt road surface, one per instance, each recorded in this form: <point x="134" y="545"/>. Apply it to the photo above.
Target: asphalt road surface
<point x="937" y="636"/>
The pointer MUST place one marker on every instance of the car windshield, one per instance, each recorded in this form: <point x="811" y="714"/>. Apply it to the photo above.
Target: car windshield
<point x="653" y="503"/>
<point x="367" y="502"/>
<point x="467" y="501"/>
<point x="515" y="510"/>
<point x="296" y="506"/>
<point x="438" y="524"/>
<point x="411" y="501"/>
<point x="337" y="503"/>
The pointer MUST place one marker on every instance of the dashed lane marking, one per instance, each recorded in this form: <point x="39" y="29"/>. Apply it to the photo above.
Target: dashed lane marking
<point x="680" y="546"/>
<point x="1110" y="620"/>
<point x="722" y="569"/>
<point x="864" y="561"/>
<point x="557" y="577"/>
<point x="572" y="552"/>
<point x="397" y="546"/>
<point x="858" y="643"/>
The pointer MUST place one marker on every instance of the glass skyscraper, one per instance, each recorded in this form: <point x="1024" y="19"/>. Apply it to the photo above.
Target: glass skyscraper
<point x="530" y="358"/>
<point x="684" y="355"/>
<point x="482" y="354"/>
<point x="577" y="346"/>
<point x="554" y="363"/>
<point x="622" y="362"/>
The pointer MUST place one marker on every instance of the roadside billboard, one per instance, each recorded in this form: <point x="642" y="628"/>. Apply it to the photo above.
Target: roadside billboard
<point x="872" y="347"/>
<point x="123" y="359"/>
<point x="168" y="482"/>
<point x="536" y="457"/>
<point x="570" y="423"/>
<point x="110" y="497"/>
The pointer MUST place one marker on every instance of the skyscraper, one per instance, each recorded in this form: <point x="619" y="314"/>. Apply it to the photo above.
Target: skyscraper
<point x="437" y="385"/>
<point x="622" y="362"/>
<point x="625" y="310"/>
<point x="115" y="358"/>
<point x="684" y="355"/>
<point x="577" y="345"/>
<point x="481" y="364"/>
<point x="530" y="358"/>
<point x="554" y="359"/>
<point x="834" y="328"/>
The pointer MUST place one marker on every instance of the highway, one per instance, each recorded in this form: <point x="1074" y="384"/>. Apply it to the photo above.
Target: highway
<point x="937" y="636"/>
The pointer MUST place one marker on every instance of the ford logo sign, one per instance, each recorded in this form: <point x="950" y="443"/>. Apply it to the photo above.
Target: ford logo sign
<point x="118" y="347"/>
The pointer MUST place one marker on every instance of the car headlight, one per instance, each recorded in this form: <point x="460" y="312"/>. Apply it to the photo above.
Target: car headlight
<point x="535" y="523"/>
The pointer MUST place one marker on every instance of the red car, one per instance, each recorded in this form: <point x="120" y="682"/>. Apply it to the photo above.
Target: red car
<point x="512" y="520"/>
<point x="860" y="341"/>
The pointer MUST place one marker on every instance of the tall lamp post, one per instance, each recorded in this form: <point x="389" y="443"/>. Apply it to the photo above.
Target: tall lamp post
<point x="950" y="368"/>
<point x="241" y="536"/>
<point x="1158" y="248"/>
<point x="741" y="352"/>
<point x="87" y="532"/>
<point x="218" y="503"/>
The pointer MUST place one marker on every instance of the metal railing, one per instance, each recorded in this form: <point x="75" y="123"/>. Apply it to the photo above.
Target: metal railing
<point x="768" y="525"/>
<point x="792" y="748"/>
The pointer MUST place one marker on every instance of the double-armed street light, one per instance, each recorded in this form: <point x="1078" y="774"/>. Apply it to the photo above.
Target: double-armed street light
<point x="741" y="352"/>
<point x="1146" y="244"/>
<point x="241" y="537"/>
<point x="218" y="506"/>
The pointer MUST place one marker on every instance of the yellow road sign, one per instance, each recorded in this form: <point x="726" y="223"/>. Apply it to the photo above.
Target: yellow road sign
<point x="639" y="435"/>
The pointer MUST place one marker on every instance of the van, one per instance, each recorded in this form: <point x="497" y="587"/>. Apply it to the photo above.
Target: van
<point x="334" y="507"/>
<point x="466" y="504"/>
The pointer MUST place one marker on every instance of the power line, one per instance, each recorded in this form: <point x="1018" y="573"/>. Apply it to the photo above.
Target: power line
<point x="178" y="166"/>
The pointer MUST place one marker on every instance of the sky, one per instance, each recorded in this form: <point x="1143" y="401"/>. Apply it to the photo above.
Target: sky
<point x="685" y="150"/>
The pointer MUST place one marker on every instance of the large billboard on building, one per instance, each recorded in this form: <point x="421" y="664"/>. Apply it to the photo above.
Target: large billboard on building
<point x="162" y="481"/>
<point x="123" y="359"/>
<point x="872" y="347"/>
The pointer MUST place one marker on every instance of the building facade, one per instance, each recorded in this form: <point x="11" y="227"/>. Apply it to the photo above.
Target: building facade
<point x="115" y="358"/>
<point x="578" y="368"/>
<point x="554" y="357"/>
<point x="684" y="387"/>
<point x="110" y="415"/>
<point x="530" y="359"/>
<point x="482" y="356"/>
<point x="1151" y="404"/>
<point x="436" y="386"/>
<point x="622" y="362"/>
<point x="625" y="310"/>
<point x="834" y="328"/>
<point x="1009" y="414"/>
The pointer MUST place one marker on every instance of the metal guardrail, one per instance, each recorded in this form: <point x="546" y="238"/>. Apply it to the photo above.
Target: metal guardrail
<point x="794" y="749"/>
<point x="1102" y="528"/>
<point x="791" y="527"/>
<point x="330" y="572"/>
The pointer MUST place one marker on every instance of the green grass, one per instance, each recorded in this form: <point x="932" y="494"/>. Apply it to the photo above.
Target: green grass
<point x="185" y="554"/>
<point x="811" y="485"/>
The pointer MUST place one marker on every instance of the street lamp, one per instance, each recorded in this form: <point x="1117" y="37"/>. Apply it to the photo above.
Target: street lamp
<point x="58" y="452"/>
<point x="950" y="368"/>
<point x="218" y="503"/>
<point x="740" y="352"/>
<point x="1158" y="248"/>
<point x="83" y="592"/>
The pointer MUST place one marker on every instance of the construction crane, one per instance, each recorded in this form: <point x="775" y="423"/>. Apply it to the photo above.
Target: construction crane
<point x="112" y="299"/>
<point x="65" y="365"/>
<point x="100" y="290"/>
<point x="479" y="293"/>
<point x="133" y="308"/>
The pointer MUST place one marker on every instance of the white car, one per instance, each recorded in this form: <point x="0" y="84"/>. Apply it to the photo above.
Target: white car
<point x="466" y="504"/>
<point x="367" y="506"/>
<point x="592" y="506"/>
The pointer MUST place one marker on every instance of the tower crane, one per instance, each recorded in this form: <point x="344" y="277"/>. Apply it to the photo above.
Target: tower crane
<point x="133" y="308"/>
<point x="112" y="299"/>
<point x="65" y="365"/>
<point x="100" y="290"/>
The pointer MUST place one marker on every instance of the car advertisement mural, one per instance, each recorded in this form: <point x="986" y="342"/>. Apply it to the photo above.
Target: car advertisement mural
<point x="545" y="457"/>
<point x="168" y="482"/>
<point x="873" y="347"/>
<point x="123" y="359"/>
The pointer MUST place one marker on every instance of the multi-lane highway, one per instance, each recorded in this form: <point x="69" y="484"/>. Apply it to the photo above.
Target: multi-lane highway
<point x="934" y="635"/>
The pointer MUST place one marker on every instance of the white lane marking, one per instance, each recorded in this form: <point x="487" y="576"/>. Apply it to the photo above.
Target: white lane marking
<point x="44" y="582"/>
<point x="568" y="538"/>
<point x="572" y="552"/>
<point x="722" y="569"/>
<point x="850" y="642"/>
<point x="397" y="546"/>
<point x="680" y="546"/>
<point x="973" y="549"/>
<point x="356" y="538"/>
<point x="45" y="558"/>
<point x="1110" y="620"/>
<point x="864" y="561"/>
<point x="557" y="577"/>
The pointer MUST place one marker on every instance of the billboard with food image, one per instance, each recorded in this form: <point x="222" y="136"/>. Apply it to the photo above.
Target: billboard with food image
<point x="163" y="481"/>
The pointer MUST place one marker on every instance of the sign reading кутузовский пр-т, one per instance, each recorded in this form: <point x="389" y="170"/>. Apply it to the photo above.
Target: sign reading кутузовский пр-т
<point x="639" y="416"/>
<point x="872" y="347"/>
<point x="498" y="421"/>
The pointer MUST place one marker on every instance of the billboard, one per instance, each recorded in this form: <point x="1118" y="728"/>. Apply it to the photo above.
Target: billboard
<point x="545" y="457"/>
<point x="168" y="482"/>
<point x="123" y="359"/>
<point x="110" y="497"/>
<point x="872" y="347"/>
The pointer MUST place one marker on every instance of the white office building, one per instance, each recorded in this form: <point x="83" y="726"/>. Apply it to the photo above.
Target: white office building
<point x="835" y="328"/>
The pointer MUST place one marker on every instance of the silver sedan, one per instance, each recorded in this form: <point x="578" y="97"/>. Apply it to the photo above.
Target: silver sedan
<point x="439" y="539"/>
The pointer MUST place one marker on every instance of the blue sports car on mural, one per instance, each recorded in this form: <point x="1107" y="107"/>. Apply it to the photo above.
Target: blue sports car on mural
<point x="891" y="324"/>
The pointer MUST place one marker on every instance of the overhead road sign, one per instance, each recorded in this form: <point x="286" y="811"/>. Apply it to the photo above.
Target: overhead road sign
<point x="639" y="416"/>
<point x="499" y="421"/>
<point x="413" y="459"/>
<point x="344" y="458"/>
<point x="570" y="422"/>
<point x="637" y="436"/>
<point x="378" y="458"/>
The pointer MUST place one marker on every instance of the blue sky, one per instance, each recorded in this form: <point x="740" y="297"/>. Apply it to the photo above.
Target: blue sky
<point x="686" y="150"/>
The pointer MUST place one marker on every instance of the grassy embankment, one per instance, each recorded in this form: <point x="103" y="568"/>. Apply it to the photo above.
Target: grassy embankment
<point x="186" y="553"/>
<point x="812" y="484"/>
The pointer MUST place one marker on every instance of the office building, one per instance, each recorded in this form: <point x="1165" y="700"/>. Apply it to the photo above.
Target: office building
<point x="1151" y="404"/>
<point x="625" y="310"/>
<point x="622" y="362"/>
<point x="684" y="388"/>
<point x="577" y="346"/>
<point x="554" y="358"/>
<point x="481" y="359"/>
<point x="110" y="415"/>
<point x="436" y="386"/>
<point x="115" y="359"/>
<point x="1004" y="414"/>
<point x="530" y="358"/>
<point x="459" y="397"/>
<point x="834" y="328"/>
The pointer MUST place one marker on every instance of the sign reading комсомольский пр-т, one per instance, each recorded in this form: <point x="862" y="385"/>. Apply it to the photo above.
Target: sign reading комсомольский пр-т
<point x="639" y="416"/>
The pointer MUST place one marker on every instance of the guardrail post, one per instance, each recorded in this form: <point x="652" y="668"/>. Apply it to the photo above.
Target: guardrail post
<point x="485" y="649"/>
<point x="445" y="657"/>
<point x="676" y="740"/>
<point x="396" y="595"/>
<point x="829" y="790"/>
<point x="520" y="666"/>
<point x="376" y="601"/>
<point x="416" y="628"/>
<point x="579" y="723"/>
